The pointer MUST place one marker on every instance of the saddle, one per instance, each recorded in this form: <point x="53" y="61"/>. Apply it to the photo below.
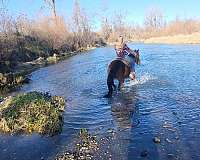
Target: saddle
<point x="124" y="61"/>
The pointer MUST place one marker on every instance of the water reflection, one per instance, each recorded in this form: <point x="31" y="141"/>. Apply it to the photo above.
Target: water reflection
<point x="124" y="109"/>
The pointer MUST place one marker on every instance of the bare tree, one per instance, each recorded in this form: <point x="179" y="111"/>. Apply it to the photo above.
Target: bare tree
<point x="119" y="26"/>
<point x="52" y="5"/>
<point x="106" y="29"/>
<point x="154" y="19"/>
<point x="76" y="17"/>
<point x="81" y="26"/>
<point x="119" y="23"/>
<point x="2" y="2"/>
<point x="106" y="24"/>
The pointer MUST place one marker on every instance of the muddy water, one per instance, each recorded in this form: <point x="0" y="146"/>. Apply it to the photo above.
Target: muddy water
<point x="164" y="102"/>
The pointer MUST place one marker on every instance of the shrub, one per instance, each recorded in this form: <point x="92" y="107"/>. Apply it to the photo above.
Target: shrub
<point x="32" y="112"/>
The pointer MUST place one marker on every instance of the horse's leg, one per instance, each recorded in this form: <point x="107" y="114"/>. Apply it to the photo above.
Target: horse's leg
<point x="110" y="83"/>
<point x="114" y="86"/>
<point x="121" y="84"/>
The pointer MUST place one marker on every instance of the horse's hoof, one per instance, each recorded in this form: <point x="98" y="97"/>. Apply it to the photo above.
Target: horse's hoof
<point x="107" y="96"/>
<point x="119" y="89"/>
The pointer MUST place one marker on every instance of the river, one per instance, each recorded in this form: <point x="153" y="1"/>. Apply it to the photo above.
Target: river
<point x="164" y="102"/>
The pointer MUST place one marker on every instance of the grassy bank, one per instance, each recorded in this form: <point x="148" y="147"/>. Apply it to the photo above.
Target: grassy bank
<point x="176" y="39"/>
<point x="32" y="112"/>
<point x="18" y="75"/>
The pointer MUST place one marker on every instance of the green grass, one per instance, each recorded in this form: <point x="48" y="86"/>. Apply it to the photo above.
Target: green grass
<point x="32" y="112"/>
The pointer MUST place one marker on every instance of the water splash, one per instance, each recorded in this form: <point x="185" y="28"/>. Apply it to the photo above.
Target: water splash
<point x="146" y="77"/>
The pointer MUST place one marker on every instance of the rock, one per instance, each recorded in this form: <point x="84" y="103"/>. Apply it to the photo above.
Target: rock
<point x="55" y="55"/>
<point x="1" y="99"/>
<point x="170" y="156"/>
<point x="4" y="79"/>
<point x="168" y="140"/>
<point x="84" y="149"/>
<point x="40" y="60"/>
<point x="179" y="122"/>
<point x="1" y="76"/>
<point x="174" y="113"/>
<point x="52" y="59"/>
<point x="111" y="131"/>
<point x="156" y="140"/>
<point x="19" y="79"/>
<point x="26" y="80"/>
<point x="144" y="153"/>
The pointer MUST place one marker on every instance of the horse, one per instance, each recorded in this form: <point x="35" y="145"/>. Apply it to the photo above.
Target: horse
<point x="119" y="69"/>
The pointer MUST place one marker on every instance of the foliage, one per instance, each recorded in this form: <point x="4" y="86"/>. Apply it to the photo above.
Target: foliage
<point x="9" y="81"/>
<point x="32" y="112"/>
<point x="24" y="40"/>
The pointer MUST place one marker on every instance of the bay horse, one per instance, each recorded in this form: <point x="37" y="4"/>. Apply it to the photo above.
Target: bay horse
<point x="119" y="69"/>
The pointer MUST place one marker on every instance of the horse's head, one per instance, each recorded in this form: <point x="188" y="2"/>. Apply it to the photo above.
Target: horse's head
<point x="137" y="56"/>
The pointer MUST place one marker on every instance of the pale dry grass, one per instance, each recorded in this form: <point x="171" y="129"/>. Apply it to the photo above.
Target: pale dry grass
<point x="193" y="38"/>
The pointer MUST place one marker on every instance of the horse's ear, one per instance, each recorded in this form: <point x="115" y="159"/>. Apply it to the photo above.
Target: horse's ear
<point x="138" y="50"/>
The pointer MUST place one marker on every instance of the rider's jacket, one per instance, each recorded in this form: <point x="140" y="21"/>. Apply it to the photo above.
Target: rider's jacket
<point x="122" y="51"/>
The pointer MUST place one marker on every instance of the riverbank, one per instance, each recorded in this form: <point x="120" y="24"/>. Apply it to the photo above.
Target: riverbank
<point x="193" y="38"/>
<point x="19" y="75"/>
<point x="29" y="67"/>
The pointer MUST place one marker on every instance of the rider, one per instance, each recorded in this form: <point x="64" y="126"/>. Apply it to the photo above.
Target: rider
<point x="122" y="50"/>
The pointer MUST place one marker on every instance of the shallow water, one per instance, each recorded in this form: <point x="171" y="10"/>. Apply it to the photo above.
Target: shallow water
<point x="164" y="102"/>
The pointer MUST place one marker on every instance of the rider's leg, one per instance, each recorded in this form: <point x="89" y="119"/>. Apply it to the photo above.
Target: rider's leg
<point x="114" y="86"/>
<point x="131" y="60"/>
<point x="132" y="75"/>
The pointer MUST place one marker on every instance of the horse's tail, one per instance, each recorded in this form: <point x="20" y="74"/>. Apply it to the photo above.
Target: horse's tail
<point x="110" y="84"/>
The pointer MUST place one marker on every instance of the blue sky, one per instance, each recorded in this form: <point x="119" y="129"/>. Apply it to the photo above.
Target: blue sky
<point x="134" y="9"/>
